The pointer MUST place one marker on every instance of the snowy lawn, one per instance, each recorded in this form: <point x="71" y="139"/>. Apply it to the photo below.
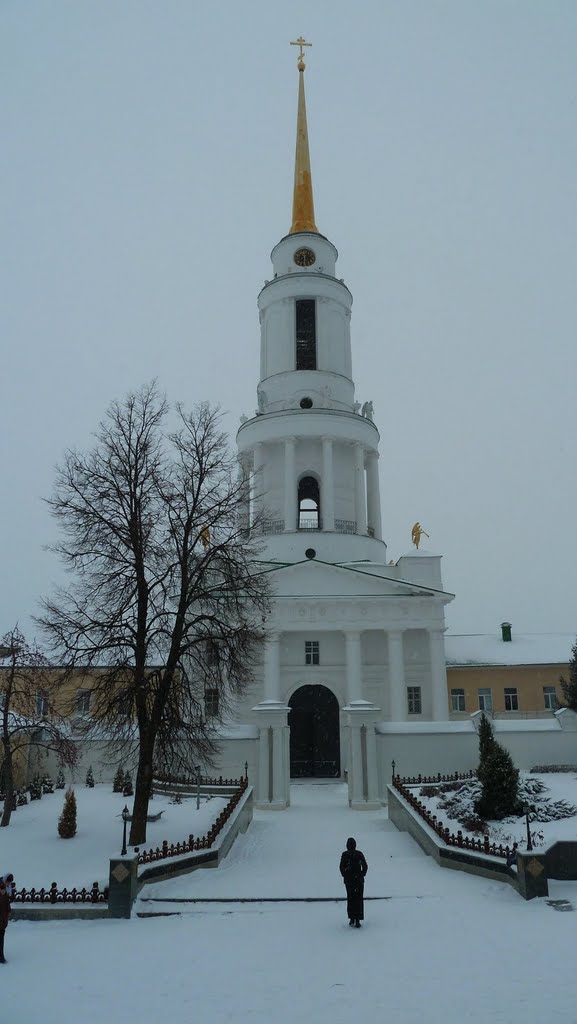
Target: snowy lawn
<point x="31" y="848"/>
<point x="441" y="948"/>
<point x="559" y="786"/>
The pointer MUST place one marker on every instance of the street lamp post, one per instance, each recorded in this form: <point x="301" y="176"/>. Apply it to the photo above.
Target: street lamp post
<point x="197" y="787"/>
<point x="125" y="818"/>
<point x="526" y="810"/>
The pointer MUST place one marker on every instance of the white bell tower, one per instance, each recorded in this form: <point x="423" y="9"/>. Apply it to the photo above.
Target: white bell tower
<point x="311" y="451"/>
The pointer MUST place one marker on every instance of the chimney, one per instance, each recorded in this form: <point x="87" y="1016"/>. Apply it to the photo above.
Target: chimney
<point x="506" y="632"/>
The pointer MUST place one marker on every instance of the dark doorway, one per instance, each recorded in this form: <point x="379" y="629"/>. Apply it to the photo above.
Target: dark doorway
<point x="314" y="734"/>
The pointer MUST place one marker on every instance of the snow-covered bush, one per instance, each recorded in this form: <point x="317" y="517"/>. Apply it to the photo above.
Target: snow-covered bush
<point x="67" y="820"/>
<point x="90" y="778"/>
<point x="118" y="784"/>
<point x="60" y="783"/>
<point x="47" y="785"/>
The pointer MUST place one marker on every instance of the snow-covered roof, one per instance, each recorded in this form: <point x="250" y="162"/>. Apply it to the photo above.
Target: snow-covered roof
<point x="522" y="649"/>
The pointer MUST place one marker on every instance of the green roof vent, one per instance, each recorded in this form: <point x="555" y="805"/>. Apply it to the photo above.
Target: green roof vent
<point x="506" y="632"/>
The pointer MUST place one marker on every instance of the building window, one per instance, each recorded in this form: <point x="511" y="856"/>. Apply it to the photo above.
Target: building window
<point x="312" y="652"/>
<point x="212" y="653"/>
<point x="83" y="702"/>
<point x="550" y="698"/>
<point x="42" y="703"/>
<point x="306" y="334"/>
<point x="211" y="703"/>
<point x="457" y="700"/>
<point x="414" y="700"/>
<point x="511" y="698"/>
<point x="485" y="699"/>
<point x="309" y="504"/>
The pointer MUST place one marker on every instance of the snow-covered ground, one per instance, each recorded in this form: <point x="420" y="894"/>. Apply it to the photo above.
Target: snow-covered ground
<point x="31" y="848"/>
<point x="560" y="786"/>
<point x="441" y="947"/>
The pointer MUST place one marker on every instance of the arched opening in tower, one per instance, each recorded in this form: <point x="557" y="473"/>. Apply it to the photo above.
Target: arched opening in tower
<point x="315" y="746"/>
<point x="309" y="504"/>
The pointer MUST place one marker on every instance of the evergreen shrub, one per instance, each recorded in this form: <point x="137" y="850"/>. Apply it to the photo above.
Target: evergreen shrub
<point x="67" y="820"/>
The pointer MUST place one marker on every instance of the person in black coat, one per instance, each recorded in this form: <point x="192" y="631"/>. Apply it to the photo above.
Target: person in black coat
<point x="353" y="868"/>
<point x="4" y="915"/>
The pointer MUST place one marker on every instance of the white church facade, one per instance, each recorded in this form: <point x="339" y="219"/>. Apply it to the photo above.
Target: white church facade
<point x="352" y="640"/>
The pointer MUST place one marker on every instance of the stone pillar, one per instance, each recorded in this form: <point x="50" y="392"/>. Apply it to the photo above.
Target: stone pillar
<point x="257" y="479"/>
<point x="328" y="486"/>
<point x="122" y="885"/>
<point x="374" y="495"/>
<point x="397" y="687"/>
<point x="360" y="489"/>
<point x="532" y="875"/>
<point x="273" y="756"/>
<point x="363" y="769"/>
<point x="272" y="668"/>
<point x="439" y="695"/>
<point x="353" y="665"/>
<point x="290" y="486"/>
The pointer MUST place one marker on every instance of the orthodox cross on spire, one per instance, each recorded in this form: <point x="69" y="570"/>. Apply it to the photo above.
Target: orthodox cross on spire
<point x="303" y="205"/>
<point x="301" y="42"/>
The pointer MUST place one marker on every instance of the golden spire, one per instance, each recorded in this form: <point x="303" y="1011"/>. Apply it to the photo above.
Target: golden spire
<point x="303" y="205"/>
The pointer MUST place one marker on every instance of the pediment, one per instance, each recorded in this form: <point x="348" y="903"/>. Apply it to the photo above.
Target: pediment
<point x="313" y="578"/>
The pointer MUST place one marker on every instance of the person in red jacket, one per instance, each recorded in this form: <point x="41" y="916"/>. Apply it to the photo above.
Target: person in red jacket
<point x="4" y="915"/>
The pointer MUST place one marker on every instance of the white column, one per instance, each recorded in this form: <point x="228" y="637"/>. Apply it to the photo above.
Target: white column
<point x="353" y="665"/>
<point x="440" y="700"/>
<point x="272" y="668"/>
<point x="257" y="479"/>
<point x="244" y="487"/>
<point x="372" y="770"/>
<point x="360" y="489"/>
<point x="328" y="488"/>
<point x="398" y="693"/>
<point x="374" y="495"/>
<point x="290" y="486"/>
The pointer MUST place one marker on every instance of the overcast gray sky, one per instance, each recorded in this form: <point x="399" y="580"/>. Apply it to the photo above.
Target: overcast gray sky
<point x="148" y="160"/>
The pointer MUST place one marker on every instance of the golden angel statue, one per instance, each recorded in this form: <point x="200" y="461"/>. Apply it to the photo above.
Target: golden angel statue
<point x="416" y="533"/>
<point x="205" y="537"/>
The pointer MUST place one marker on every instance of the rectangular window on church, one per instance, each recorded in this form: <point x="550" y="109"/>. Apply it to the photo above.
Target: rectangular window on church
<point x="306" y="334"/>
<point x="511" y="698"/>
<point x="414" y="700"/>
<point x="457" y="700"/>
<point x="312" y="652"/>
<point x="211" y="703"/>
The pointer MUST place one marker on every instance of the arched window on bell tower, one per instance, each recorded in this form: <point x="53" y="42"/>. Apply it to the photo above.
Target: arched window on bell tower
<point x="309" y="504"/>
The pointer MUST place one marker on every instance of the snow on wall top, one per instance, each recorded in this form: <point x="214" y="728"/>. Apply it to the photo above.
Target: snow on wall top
<point x="522" y="649"/>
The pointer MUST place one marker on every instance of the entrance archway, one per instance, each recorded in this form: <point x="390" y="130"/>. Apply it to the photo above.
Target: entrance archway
<point x="315" y="748"/>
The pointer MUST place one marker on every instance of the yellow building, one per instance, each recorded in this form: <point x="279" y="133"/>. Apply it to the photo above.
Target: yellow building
<point x="509" y="675"/>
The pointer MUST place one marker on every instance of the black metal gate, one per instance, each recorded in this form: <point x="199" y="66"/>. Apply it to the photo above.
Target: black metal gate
<point x="314" y="734"/>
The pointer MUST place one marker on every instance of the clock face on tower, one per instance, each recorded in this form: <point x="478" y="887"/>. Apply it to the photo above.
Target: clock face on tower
<point x="304" y="257"/>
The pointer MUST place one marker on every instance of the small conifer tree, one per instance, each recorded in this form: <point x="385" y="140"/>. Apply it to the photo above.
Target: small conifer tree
<point x="569" y="686"/>
<point x="500" y="795"/>
<point x="35" y="788"/>
<point x="486" y="744"/>
<point x="60" y="783"/>
<point x="118" y="784"/>
<point x="127" y="788"/>
<point x="47" y="785"/>
<point x="67" y="820"/>
<point x="22" y="798"/>
<point x="90" y="778"/>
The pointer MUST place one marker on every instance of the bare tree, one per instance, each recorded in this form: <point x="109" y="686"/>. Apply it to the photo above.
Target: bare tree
<point x="165" y="598"/>
<point x="29" y="712"/>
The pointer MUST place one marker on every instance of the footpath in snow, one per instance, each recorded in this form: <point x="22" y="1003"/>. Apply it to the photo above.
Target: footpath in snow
<point x="295" y="854"/>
